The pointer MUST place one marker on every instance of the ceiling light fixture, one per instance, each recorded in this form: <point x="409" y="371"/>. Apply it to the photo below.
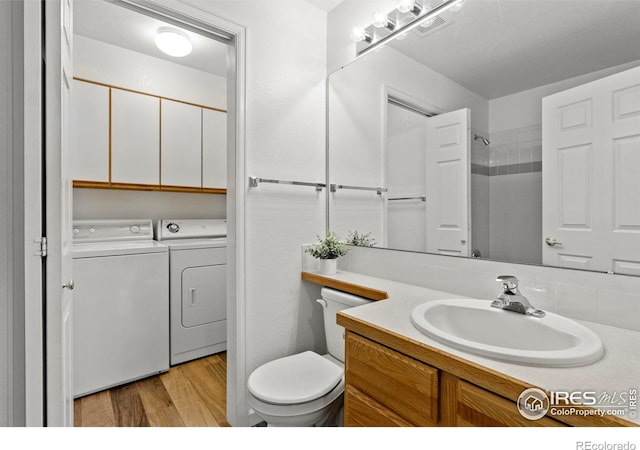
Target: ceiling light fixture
<point x="173" y="42"/>
<point x="405" y="6"/>
<point x="398" y="22"/>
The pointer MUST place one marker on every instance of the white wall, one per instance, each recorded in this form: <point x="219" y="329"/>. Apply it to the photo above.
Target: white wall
<point x="98" y="61"/>
<point x="12" y="298"/>
<point x="357" y="128"/>
<point x="6" y="192"/>
<point x="285" y="139"/>
<point x="117" y="204"/>
<point x="106" y="63"/>
<point x="596" y="297"/>
<point x="406" y="177"/>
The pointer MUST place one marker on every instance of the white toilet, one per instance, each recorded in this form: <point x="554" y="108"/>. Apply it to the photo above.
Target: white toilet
<point x="306" y="389"/>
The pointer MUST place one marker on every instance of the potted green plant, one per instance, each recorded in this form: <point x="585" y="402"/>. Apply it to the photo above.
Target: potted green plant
<point x="328" y="250"/>
<point x="360" y="239"/>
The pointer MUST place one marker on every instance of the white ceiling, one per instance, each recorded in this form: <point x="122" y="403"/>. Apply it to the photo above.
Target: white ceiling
<point x="325" y="5"/>
<point x="122" y="27"/>
<point x="499" y="47"/>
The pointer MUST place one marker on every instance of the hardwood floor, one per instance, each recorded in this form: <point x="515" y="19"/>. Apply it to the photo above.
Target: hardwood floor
<point x="192" y="394"/>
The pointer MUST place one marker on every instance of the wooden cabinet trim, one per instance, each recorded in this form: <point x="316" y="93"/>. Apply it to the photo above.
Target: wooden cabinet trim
<point x="351" y="288"/>
<point x="111" y="86"/>
<point x="84" y="184"/>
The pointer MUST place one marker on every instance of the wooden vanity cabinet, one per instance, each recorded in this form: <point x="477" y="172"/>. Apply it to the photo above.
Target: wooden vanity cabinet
<point x="387" y="388"/>
<point x="466" y="405"/>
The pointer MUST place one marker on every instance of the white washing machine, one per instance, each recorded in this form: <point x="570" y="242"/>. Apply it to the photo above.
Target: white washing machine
<point x="197" y="286"/>
<point x="121" y="304"/>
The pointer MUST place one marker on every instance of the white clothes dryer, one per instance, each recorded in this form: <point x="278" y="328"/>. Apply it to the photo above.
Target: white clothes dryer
<point x="120" y="304"/>
<point x="197" y="286"/>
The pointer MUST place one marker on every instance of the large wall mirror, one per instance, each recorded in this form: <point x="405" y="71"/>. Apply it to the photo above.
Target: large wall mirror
<point x="508" y="130"/>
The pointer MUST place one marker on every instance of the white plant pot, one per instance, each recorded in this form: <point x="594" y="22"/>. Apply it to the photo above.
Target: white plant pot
<point x="328" y="266"/>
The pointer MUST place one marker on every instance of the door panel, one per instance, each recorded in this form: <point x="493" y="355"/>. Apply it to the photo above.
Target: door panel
<point x="135" y="138"/>
<point x="447" y="183"/>
<point x="591" y="161"/>
<point x="203" y="301"/>
<point x="214" y="149"/>
<point x="59" y="306"/>
<point x="181" y="144"/>
<point x="90" y="132"/>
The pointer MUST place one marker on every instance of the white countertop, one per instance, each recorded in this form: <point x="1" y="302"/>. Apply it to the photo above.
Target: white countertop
<point x="618" y="371"/>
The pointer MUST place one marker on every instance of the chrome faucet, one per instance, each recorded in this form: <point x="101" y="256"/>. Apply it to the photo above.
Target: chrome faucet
<point x="512" y="300"/>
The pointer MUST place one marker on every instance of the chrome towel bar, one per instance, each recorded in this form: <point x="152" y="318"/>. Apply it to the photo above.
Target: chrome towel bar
<point x="254" y="181"/>
<point x="421" y="198"/>
<point x="377" y="190"/>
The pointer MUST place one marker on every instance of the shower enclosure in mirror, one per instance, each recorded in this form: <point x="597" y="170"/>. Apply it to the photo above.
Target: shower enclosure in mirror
<point x="507" y="130"/>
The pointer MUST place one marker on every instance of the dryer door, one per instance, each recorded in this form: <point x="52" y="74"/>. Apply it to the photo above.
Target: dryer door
<point x="204" y="297"/>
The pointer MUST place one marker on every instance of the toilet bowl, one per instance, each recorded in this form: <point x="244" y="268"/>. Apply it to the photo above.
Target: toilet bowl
<point x="306" y="389"/>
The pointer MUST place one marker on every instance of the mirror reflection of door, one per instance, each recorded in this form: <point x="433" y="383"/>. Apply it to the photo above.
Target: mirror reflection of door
<point x="591" y="158"/>
<point x="428" y="172"/>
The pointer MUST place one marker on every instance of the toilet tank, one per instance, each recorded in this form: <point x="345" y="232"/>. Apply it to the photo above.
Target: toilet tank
<point x="333" y="301"/>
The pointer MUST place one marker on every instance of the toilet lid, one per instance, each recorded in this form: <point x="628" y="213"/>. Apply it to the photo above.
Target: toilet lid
<point x="294" y="379"/>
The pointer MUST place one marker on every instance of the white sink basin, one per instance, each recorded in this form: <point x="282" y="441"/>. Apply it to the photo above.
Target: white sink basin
<point x="476" y="327"/>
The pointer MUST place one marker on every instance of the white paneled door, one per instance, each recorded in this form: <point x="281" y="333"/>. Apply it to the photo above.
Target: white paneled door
<point x="59" y="282"/>
<point x="590" y="167"/>
<point x="447" y="183"/>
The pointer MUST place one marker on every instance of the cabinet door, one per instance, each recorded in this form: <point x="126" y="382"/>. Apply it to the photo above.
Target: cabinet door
<point x="466" y="405"/>
<point x="90" y="132"/>
<point x="214" y="149"/>
<point x="401" y="384"/>
<point x="135" y="138"/>
<point x="181" y="144"/>
<point x="361" y="410"/>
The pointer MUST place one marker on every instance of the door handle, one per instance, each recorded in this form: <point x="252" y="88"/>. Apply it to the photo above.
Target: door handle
<point x="551" y="242"/>
<point x="69" y="285"/>
<point x="192" y="295"/>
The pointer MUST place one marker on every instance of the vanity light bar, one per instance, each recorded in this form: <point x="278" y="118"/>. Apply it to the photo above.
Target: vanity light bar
<point x="254" y="181"/>
<point x="403" y="22"/>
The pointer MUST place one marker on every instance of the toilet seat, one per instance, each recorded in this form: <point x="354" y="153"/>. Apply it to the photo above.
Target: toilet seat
<point x="293" y="380"/>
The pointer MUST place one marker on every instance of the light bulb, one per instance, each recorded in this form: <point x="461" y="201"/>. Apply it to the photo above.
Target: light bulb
<point x="173" y="42"/>
<point x="358" y="34"/>
<point x="380" y="20"/>
<point x="406" y="5"/>
<point x="458" y="6"/>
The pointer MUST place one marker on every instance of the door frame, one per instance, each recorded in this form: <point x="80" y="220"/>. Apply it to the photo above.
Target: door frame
<point x="237" y="410"/>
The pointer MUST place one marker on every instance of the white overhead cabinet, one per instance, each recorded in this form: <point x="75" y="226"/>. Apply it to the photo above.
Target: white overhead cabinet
<point x="90" y="132"/>
<point x="214" y="149"/>
<point x="135" y="138"/>
<point x="131" y="140"/>
<point x="181" y="144"/>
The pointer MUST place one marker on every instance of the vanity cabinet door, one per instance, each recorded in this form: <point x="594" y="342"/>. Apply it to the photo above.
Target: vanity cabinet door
<point x="214" y="149"/>
<point x="364" y="411"/>
<point x="135" y="138"/>
<point x="90" y="132"/>
<point x="405" y="386"/>
<point x="466" y="405"/>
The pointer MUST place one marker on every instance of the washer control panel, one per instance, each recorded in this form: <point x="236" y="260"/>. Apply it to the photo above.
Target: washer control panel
<point x="111" y="230"/>
<point x="190" y="228"/>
